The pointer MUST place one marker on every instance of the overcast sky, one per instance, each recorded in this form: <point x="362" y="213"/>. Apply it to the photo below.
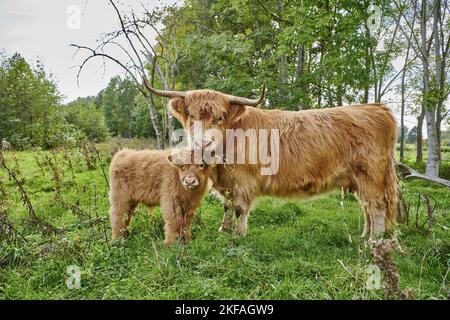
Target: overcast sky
<point x="39" y="29"/>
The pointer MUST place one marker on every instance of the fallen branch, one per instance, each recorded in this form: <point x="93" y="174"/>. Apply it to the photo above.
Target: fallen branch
<point x="415" y="174"/>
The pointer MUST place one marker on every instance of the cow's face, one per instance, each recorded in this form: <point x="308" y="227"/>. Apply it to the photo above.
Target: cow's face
<point x="206" y="110"/>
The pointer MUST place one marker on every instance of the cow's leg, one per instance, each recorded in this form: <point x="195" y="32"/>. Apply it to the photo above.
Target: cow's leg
<point x="367" y="223"/>
<point x="377" y="219"/>
<point x="228" y="210"/>
<point x="242" y="212"/>
<point x="374" y="213"/>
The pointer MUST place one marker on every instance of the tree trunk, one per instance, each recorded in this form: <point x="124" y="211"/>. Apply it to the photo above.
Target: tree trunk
<point x="300" y="72"/>
<point x="439" y="73"/>
<point x="432" y="167"/>
<point x="367" y="66"/>
<point x="339" y="95"/>
<point x="155" y="123"/>
<point x="439" y="119"/>
<point x="319" y="84"/>
<point x="170" y="117"/>
<point x="402" y="112"/>
<point x="419" y="142"/>
<point x="402" y="120"/>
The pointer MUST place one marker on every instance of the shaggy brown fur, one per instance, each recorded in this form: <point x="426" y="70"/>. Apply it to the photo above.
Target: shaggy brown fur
<point x="320" y="150"/>
<point x="156" y="178"/>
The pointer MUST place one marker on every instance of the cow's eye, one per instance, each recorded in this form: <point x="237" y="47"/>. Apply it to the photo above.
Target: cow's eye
<point x="182" y="167"/>
<point x="203" y="166"/>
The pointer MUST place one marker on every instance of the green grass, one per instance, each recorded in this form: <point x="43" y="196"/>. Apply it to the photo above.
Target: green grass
<point x="294" y="249"/>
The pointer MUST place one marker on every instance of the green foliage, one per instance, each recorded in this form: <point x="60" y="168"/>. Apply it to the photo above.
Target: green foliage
<point x="29" y="103"/>
<point x="88" y="118"/>
<point x="125" y="110"/>
<point x="411" y="137"/>
<point x="324" y="58"/>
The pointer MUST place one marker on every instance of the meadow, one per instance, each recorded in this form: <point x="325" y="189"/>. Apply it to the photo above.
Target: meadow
<point x="294" y="249"/>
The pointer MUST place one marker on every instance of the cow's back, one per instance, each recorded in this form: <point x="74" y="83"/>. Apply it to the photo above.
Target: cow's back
<point x="319" y="149"/>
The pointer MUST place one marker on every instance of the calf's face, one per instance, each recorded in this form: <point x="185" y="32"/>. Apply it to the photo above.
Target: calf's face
<point x="191" y="175"/>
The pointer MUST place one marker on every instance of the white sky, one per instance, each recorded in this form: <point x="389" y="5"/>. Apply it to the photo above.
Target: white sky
<point x="38" y="29"/>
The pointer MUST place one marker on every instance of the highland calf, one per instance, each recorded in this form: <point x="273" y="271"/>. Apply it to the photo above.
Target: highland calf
<point x="171" y="179"/>
<point x="350" y="148"/>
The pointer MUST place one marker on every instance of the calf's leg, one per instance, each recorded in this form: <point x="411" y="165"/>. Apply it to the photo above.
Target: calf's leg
<point x="120" y="214"/>
<point x="173" y="219"/>
<point x="171" y="232"/>
<point x="186" y="232"/>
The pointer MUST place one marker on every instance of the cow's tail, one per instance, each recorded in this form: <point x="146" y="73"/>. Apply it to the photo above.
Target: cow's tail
<point x="391" y="194"/>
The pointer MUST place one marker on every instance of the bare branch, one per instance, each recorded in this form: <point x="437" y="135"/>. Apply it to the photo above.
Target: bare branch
<point x="107" y="56"/>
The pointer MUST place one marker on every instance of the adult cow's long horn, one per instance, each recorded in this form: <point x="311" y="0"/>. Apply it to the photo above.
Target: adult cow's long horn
<point x="249" y="102"/>
<point x="164" y="93"/>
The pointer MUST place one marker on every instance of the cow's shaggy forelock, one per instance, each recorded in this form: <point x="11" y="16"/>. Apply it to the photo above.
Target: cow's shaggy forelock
<point x="206" y="104"/>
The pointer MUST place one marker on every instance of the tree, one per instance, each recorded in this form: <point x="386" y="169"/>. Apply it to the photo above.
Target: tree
<point x="125" y="109"/>
<point x="141" y="56"/>
<point x="411" y="137"/>
<point x="85" y="115"/>
<point x="29" y="105"/>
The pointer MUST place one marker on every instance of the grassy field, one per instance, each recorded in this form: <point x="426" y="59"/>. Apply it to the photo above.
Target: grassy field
<point x="294" y="249"/>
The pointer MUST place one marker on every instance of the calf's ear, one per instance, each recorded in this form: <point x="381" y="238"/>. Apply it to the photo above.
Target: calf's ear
<point x="235" y="113"/>
<point x="179" y="109"/>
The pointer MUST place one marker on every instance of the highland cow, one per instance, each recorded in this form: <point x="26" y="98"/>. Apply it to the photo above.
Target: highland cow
<point x="350" y="148"/>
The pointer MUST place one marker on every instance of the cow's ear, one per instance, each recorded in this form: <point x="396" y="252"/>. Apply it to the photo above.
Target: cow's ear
<point x="235" y="113"/>
<point x="171" y="160"/>
<point x="179" y="109"/>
